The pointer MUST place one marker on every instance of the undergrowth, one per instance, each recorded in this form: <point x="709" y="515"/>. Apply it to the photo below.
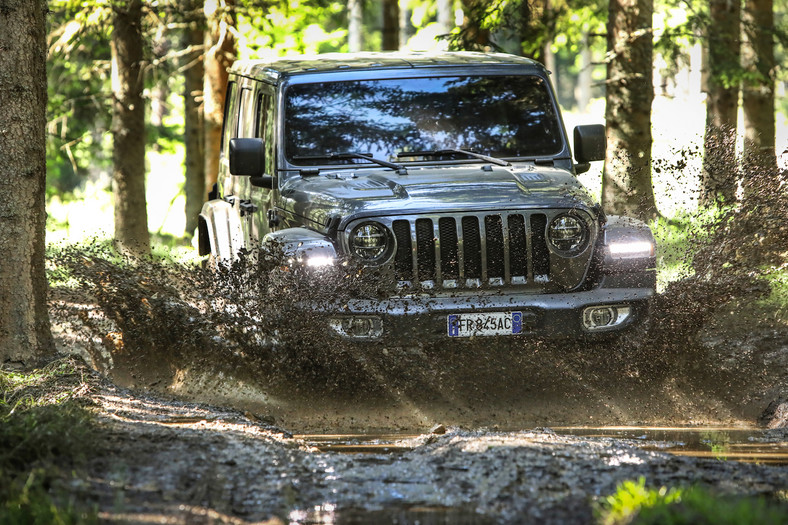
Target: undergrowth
<point x="635" y="503"/>
<point x="46" y="433"/>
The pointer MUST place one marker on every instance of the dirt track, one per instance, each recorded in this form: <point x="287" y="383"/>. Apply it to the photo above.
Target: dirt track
<point x="173" y="462"/>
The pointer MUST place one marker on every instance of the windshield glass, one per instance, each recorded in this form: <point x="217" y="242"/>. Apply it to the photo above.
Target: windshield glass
<point x="500" y="116"/>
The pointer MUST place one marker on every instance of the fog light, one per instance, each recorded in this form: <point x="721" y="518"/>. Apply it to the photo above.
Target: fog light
<point x="357" y="327"/>
<point x="599" y="317"/>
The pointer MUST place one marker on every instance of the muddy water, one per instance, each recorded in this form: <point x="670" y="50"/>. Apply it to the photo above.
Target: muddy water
<point x="751" y="445"/>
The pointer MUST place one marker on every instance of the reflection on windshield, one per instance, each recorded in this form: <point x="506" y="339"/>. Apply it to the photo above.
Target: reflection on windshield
<point x="500" y="116"/>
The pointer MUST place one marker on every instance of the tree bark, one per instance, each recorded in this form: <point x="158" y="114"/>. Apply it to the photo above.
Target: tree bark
<point x="390" y="36"/>
<point x="626" y="181"/>
<point x="128" y="130"/>
<point x="404" y="24"/>
<point x="585" y="77"/>
<point x="475" y="37"/>
<point x="445" y="16"/>
<point x="758" y="88"/>
<point x="194" y="77"/>
<point x="219" y="56"/>
<point x="722" y="102"/>
<point x="24" y="320"/>
<point x="355" y="15"/>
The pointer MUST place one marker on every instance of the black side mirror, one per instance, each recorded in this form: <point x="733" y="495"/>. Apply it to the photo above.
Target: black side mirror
<point x="247" y="157"/>
<point x="590" y="143"/>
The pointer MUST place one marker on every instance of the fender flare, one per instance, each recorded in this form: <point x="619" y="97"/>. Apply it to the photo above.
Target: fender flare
<point x="219" y="230"/>
<point x="301" y="244"/>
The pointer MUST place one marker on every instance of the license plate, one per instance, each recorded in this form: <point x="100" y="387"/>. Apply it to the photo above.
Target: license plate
<point x="482" y="324"/>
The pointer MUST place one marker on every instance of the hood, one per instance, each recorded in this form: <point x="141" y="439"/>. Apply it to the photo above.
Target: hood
<point x="350" y="194"/>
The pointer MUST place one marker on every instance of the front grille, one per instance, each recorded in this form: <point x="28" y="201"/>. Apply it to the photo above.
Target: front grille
<point x="472" y="250"/>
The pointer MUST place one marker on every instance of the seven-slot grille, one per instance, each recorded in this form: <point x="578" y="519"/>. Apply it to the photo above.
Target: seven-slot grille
<point x="472" y="250"/>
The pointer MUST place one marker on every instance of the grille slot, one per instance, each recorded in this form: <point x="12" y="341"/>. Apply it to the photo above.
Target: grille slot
<point x="403" y="259"/>
<point x="493" y="249"/>
<point x="540" y="255"/>
<point x="472" y="247"/>
<point x="493" y="226"/>
<point x="425" y="249"/>
<point x="518" y="255"/>
<point x="450" y="262"/>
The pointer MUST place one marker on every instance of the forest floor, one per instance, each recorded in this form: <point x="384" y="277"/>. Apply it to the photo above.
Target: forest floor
<point x="463" y="434"/>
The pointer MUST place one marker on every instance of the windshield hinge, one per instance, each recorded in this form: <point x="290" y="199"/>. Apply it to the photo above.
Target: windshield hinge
<point x="247" y="207"/>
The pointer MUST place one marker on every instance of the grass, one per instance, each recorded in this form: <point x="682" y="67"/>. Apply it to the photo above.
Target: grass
<point x="46" y="434"/>
<point x="777" y="301"/>
<point x="635" y="503"/>
<point x="677" y="241"/>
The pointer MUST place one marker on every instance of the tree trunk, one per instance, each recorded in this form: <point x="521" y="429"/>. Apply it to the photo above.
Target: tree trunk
<point x="722" y="102"/>
<point x="445" y="16"/>
<point x="194" y="76"/>
<point x="219" y="56"/>
<point x="476" y="38"/>
<point x="404" y="24"/>
<point x="24" y="319"/>
<point x="584" y="77"/>
<point x="128" y="130"/>
<point x="390" y="40"/>
<point x="758" y="89"/>
<point x="355" y="15"/>
<point x="552" y="66"/>
<point x="626" y="181"/>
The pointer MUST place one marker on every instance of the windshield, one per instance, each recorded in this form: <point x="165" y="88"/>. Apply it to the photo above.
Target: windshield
<point x="500" y="116"/>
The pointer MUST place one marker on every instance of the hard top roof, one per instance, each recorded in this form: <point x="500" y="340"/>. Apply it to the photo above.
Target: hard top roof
<point x="330" y="62"/>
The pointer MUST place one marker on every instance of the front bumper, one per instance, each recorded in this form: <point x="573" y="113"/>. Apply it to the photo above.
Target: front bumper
<point x="426" y="317"/>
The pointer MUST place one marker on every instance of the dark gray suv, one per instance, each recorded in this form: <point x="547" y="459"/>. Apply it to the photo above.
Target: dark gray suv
<point x="450" y="174"/>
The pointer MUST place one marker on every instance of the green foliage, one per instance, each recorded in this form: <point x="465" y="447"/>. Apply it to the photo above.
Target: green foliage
<point x="79" y="105"/>
<point x="29" y="501"/>
<point x="293" y="27"/>
<point x="635" y="503"/>
<point x="630" y="497"/>
<point x="45" y="432"/>
<point x="678" y="240"/>
<point x="777" y="300"/>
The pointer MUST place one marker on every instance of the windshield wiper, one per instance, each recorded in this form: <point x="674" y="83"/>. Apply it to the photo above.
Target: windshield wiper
<point x="439" y="152"/>
<point x="352" y="155"/>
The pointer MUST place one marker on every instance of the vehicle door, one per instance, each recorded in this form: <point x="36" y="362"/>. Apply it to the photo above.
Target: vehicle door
<point x="262" y="199"/>
<point x="242" y="188"/>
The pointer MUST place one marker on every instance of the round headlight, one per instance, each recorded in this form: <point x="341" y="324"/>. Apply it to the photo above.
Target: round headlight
<point x="369" y="241"/>
<point x="568" y="234"/>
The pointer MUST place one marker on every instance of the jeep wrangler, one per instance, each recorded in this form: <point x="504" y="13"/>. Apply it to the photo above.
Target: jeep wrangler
<point x="450" y="174"/>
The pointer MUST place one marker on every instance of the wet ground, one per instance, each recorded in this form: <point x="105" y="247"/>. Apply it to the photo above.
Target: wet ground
<point x="173" y="462"/>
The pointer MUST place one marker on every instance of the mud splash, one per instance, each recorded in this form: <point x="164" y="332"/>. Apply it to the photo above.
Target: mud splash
<point x="239" y="336"/>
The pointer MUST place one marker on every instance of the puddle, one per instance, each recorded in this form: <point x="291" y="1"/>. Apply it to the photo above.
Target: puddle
<point x="359" y="443"/>
<point x="747" y="445"/>
<point x="327" y="514"/>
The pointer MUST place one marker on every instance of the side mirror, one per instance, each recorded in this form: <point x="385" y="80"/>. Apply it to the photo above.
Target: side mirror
<point x="247" y="157"/>
<point x="590" y="143"/>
